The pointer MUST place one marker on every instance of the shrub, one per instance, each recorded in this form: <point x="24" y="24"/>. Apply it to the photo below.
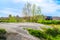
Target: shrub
<point x="2" y="34"/>
<point x="52" y="32"/>
<point x="49" y="34"/>
<point x="38" y="33"/>
<point x="49" y="21"/>
<point x="2" y="31"/>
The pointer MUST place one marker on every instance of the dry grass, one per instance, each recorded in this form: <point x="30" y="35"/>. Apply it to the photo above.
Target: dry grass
<point x="56" y="26"/>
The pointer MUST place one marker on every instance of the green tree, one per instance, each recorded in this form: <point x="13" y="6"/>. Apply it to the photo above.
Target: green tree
<point x="18" y="18"/>
<point x="36" y="13"/>
<point x="12" y="18"/>
<point x="32" y="12"/>
<point x="10" y="15"/>
<point x="26" y="11"/>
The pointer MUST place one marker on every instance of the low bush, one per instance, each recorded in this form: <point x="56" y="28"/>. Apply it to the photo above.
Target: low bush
<point x="53" y="32"/>
<point x="2" y="34"/>
<point x="37" y="33"/>
<point x="49" y="34"/>
<point x="49" y="21"/>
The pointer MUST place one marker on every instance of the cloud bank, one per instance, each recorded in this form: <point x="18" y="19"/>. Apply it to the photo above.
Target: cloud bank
<point x="48" y="7"/>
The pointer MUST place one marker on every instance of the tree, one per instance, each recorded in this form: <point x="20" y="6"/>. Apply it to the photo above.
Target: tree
<point x="27" y="10"/>
<point x="18" y="18"/>
<point x="12" y="18"/>
<point x="36" y="13"/>
<point x="10" y="15"/>
<point x="31" y="11"/>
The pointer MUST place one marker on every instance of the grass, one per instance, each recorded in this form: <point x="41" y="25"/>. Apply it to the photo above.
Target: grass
<point x="49" y="34"/>
<point x="2" y="34"/>
<point x="49" y="21"/>
<point x="56" y="26"/>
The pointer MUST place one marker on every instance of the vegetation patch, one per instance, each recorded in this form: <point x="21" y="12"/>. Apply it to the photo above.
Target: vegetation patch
<point x="49" y="21"/>
<point x="3" y="34"/>
<point x="49" y="34"/>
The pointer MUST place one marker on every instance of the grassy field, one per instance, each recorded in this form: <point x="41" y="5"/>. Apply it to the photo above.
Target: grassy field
<point x="53" y="25"/>
<point x="48" y="34"/>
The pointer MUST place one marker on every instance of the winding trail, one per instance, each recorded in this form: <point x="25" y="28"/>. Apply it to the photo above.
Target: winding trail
<point x="21" y="33"/>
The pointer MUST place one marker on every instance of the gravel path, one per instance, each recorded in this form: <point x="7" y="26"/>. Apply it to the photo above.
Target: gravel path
<point x="18" y="28"/>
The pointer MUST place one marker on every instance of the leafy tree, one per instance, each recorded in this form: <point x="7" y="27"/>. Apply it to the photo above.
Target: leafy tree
<point x="10" y="15"/>
<point x="18" y="18"/>
<point x="32" y="11"/>
<point x="12" y="18"/>
<point x="36" y="13"/>
<point x="27" y="10"/>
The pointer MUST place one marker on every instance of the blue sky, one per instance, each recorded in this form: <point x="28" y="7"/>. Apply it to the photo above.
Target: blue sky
<point x="14" y="7"/>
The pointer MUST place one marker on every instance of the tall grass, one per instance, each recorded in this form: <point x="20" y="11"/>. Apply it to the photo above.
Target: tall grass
<point x="49" y="34"/>
<point x="49" y="21"/>
<point x="3" y="34"/>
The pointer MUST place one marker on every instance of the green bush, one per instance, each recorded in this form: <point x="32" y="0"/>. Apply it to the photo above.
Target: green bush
<point x="38" y="33"/>
<point x="53" y="32"/>
<point x="2" y="34"/>
<point x="49" y="34"/>
<point x="49" y="21"/>
<point x="2" y="31"/>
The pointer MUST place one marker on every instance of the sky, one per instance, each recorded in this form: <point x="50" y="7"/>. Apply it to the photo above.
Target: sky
<point x="14" y="7"/>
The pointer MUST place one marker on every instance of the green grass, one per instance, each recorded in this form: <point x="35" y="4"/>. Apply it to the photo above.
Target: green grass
<point x="49" y="34"/>
<point x="49" y="21"/>
<point x="2" y="34"/>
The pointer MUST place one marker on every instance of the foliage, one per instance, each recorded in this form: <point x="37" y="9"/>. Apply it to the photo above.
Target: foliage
<point x="49" y="34"/>
<point x="2" y="34"/>
<point x="53" y="32"/>
<point x="31" y="11"/>
<point x="11" y="19"/>
<point x="49" y="21"/>
<point x="2" y="31"/>
<point x="37" y="33"/>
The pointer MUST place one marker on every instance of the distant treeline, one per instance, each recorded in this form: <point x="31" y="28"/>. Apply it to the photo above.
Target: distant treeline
<point x="31" y="13"/>
<point x="11" y="18"/>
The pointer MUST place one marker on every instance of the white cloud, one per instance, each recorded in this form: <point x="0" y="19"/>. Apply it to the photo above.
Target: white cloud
<point x="11" y="11"/>
<point x="47" y="6"/>
<point x="7" y="12"/>
<point x="31" y="1"/>
<point x="16" y="1"/>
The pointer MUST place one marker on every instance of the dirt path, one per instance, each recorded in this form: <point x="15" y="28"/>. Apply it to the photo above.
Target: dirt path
<point x="18" y="28"/>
